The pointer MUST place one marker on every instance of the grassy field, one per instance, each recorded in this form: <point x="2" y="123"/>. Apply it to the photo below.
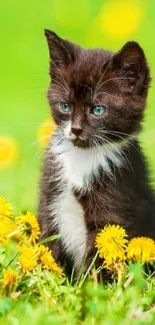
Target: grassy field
<point x="23" y="108"/>
<point x="51" y="301"/>
<point x="34" y="289"/>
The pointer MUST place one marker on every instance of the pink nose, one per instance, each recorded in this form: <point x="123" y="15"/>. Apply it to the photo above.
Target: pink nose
<point x="76" y="130"/>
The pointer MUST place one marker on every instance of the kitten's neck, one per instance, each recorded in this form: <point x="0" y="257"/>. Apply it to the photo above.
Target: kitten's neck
<point x="80" y="165"/>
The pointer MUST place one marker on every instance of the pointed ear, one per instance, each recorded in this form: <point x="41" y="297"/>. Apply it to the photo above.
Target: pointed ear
<point x="62" y="52"/>
<point x="130" y="63"/>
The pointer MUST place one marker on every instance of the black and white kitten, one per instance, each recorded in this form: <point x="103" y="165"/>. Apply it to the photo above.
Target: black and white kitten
<point x="94" y="171"/>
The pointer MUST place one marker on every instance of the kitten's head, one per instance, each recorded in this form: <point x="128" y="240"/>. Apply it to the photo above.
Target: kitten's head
<point x="96" y="96"/>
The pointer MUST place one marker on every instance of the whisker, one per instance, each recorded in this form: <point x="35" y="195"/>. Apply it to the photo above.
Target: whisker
<point x="35" y="142"/>
<point x="106" y="140"/>
<point x="98" y="83"/>
<point x="64" y="81"/>
<point x="118" y="135"/>
<point x="114" y="78"/>
<point x="61" y="87"/>
<point x="91" y="79"/>
<point x="105" y="93"/>
<point x="37" y="124"/>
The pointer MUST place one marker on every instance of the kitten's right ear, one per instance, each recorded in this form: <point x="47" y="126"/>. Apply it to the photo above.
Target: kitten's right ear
<point x="62" y="52"/>
<point x="130" y="64"/>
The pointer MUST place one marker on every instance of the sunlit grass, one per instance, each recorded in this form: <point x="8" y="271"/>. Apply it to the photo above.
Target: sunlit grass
<point x="29" y="275"/>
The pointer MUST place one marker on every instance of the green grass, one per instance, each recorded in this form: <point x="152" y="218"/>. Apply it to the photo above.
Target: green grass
<point x="46" y="296"/>
<point x="23" y="106"/>
<point x="49" y="300"/>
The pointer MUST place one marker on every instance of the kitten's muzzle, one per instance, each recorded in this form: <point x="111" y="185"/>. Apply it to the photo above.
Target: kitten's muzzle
<point x="76" y="130"/>
<point x="77" y="140"/>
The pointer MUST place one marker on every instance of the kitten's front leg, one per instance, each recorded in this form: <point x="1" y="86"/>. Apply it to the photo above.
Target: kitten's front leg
<point x="90" y="249"/>
<point x="50" y="188"/>
<point x="47" y="228"/>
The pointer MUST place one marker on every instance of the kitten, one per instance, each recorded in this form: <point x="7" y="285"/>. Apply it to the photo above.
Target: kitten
<point x="94" y="171"/>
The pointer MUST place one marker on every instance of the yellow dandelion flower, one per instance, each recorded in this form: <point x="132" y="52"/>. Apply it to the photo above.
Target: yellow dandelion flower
<point x="119" y="19"/>
<point x="7" y="227"/>
<point x="8" y="151"/>
<point x="9" y="279"/>
<point x="141" y="249"/>
<point x="111" y="243"/>
<point x="46" y="258"/>
<point x="28" y="258"/>
<point x="5" y="208"/>
<point x="45" y="131"/>
<point x="29" y="226"/>
<point x="115" y="266"/>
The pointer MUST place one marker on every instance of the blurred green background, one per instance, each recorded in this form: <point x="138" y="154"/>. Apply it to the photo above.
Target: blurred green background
<point x="24" y="74"/>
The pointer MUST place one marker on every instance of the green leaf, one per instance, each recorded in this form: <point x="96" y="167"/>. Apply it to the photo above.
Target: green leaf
<point x="51" y="238"/>
<point x="5" y="305"/>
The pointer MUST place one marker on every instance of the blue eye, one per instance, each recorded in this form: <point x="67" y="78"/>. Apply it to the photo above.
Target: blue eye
<point x="98" y="110"/>
<point x="65" y="107"/>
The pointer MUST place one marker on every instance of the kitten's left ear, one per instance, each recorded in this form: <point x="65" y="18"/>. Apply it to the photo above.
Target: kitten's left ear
<point x="130" y="63"/>
<point x="62" y="52"/>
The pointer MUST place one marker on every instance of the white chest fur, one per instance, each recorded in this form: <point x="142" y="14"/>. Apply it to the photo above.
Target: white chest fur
<point x="78" y="166"/>
<point x="70" y="222"/>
